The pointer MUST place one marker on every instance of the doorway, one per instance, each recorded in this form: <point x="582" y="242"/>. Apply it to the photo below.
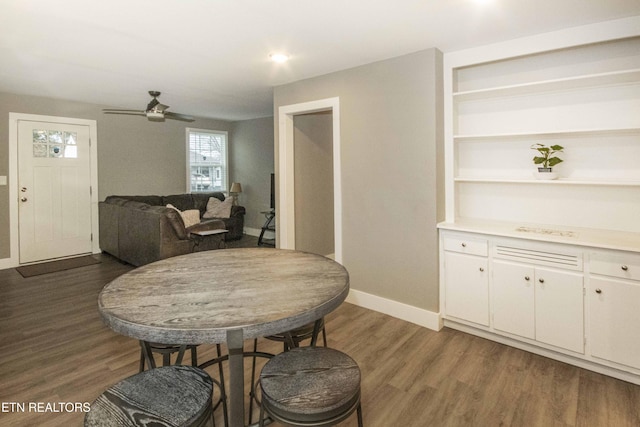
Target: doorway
<point x="296" y="232"/>
<point x="313" y="174"/>
<point x="53" y="187"/>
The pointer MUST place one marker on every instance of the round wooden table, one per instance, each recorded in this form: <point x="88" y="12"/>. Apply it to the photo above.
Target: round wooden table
<point x="224" y="296"/>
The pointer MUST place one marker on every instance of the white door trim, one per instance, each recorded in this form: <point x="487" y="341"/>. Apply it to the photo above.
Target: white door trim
<point x="13" y="260"/>
<point x="285" y="212"/>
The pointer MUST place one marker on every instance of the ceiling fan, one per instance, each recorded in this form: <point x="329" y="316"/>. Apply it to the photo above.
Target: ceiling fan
<point x="155" y="111"/>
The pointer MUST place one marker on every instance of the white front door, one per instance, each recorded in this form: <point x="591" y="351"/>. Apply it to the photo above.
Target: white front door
<point x="54" y="194"/>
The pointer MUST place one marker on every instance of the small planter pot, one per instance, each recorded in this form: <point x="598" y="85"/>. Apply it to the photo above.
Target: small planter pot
<point x="545" y="174"/>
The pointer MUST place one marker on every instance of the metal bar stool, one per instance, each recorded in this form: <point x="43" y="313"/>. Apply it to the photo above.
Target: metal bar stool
<point x="310" y="386"/>
<point x="290" y="339"/>
<point x="166" y="350"/>
<point x="164" y="397"/>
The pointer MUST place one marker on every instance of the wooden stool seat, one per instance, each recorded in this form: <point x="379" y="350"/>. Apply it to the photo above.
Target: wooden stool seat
<point x="167" y="396"/>
<point x="310" y="386"/>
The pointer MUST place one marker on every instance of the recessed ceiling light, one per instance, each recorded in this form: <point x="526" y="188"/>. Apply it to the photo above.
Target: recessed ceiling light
<point x="279" y="57"/>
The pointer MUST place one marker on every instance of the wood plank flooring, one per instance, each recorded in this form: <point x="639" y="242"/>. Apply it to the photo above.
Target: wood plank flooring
<point x="54" y="348"/>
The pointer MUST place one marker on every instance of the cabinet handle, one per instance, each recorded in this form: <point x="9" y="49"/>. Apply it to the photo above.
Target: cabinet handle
<point x="527" y="278"/>
<point x="464" y="245"/>
<point x="598" y="291"/>
<point x="624" y="268"/>
<point x="481" y="269"/>
<point x="541" y="280"/>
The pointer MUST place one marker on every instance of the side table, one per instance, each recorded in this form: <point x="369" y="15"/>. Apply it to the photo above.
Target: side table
<point x="269" y="225"/>
<point x="200" y="235"/>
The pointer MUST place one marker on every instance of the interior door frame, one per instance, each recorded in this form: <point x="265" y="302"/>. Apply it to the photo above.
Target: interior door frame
<point x="285" y="211"/>
<point x="14" y="118"/>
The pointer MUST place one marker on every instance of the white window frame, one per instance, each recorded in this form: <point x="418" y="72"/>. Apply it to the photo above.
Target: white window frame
<point x="225" y="167"/>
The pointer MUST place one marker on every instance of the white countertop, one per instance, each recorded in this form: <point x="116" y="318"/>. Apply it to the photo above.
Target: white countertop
<point x="597" y="238"/>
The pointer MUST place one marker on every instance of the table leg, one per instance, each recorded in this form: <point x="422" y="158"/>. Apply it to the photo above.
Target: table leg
<point x="235" y="342"/>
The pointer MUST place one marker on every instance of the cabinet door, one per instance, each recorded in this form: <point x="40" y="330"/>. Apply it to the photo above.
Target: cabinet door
<point x="615" y="321"/>
<point x="513" y="297"/>
<point x="466" y="287"/>
<point x="560" y="309"/>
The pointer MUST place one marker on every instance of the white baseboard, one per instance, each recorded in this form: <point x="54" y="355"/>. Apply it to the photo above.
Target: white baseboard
<point x="7" y="263"/>
<point x="402" y="311"/>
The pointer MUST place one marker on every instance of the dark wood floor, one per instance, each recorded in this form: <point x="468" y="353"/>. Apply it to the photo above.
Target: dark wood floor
<point x="54" y="348"/>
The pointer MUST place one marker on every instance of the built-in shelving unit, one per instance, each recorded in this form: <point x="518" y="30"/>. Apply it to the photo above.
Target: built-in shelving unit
<point x="585" y="98"/>
<point x="550" y="266"/>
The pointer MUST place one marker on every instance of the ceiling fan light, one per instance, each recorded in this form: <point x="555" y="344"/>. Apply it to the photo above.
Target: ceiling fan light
<point x="155" y="116"/>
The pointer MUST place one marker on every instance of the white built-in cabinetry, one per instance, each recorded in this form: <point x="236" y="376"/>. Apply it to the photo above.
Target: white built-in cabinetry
<point x="614" y="304"/>
<point x="550" y="265"/>
<point x="467" y="285"/>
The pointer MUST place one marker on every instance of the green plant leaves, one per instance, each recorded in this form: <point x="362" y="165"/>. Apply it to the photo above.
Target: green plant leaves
<point x="546" y="158"/>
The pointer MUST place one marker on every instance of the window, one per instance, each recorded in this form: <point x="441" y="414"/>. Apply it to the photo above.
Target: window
<point x="206" y="160"/>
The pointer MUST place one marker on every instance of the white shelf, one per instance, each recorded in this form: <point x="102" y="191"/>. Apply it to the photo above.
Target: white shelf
<point x="560" y="181"/>
<point x="564" y="84"/>
<point x="548" y="134"/>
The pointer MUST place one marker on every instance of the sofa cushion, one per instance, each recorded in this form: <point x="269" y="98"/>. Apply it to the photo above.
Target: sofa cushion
<point x="189" y="217"/>
<point x="132" y="204"/>
<point x="218" y="209"/>
<point x="150" y="200"/>
<point x="200" y="200"/>
<point x="181" y="201"/>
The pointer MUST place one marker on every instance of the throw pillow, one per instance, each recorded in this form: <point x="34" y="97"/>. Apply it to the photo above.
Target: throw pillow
<point x="218" y="209"/>
<point x="189" y="217"/>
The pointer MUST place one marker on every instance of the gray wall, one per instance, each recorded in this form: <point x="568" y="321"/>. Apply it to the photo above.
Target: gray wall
<point x="251" y="154"/>
<point x="135" y="156"/>
<point x="313" y="172"/>
<point x="392" y="171"/>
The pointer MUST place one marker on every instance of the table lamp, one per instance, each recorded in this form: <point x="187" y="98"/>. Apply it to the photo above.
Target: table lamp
<point x="236" y="188"/>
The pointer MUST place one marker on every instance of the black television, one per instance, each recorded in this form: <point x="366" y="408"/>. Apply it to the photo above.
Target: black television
<point x="273" y="191"/>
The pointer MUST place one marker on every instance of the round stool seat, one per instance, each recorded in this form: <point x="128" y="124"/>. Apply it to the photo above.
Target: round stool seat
<point x="166" y="396"/>
<point x="310" y="386"/>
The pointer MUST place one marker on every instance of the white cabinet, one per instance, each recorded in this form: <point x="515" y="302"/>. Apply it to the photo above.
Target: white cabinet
<point x="614" y="304"/>
<point x="513" y="299"/>
<point x="539" y="303"/>
<point x="466" y="279"/>
<point x="467" y="287"/>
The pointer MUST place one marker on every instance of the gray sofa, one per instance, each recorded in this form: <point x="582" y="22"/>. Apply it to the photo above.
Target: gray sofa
<point x="141" y="229"/>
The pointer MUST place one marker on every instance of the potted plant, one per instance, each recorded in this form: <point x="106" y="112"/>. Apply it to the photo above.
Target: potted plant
<point x="547" y="159"/>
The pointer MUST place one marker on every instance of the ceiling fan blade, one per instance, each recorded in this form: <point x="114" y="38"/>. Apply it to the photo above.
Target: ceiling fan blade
<point x="177" y="116"/>
<point x="116" y="111"/>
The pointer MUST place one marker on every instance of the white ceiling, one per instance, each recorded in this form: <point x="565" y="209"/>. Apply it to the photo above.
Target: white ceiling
<point x="209" y="58"/>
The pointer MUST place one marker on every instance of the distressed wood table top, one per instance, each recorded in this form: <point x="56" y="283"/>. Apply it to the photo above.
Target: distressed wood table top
<point x="198" y="298"/>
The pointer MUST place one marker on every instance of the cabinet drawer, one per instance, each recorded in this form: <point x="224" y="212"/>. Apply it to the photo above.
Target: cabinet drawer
<point x="466" y="246"/>
<point x="615" y="265"/>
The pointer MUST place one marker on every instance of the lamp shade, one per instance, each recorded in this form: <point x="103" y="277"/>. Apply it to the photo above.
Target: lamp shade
<point x="236" y="187"/>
